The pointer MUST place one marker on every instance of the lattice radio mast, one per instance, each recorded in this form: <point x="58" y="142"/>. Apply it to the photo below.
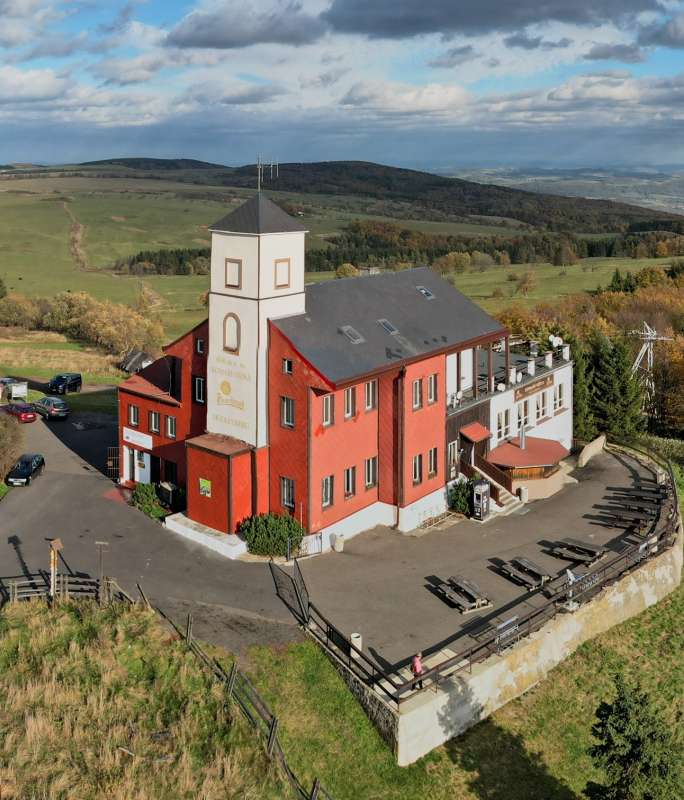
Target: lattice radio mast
<point x="642" y="368"/>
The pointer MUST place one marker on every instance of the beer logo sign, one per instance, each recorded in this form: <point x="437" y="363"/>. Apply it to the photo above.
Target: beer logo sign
<point x="224" y="398"/>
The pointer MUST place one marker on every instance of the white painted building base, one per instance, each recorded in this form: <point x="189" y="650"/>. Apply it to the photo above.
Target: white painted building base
<point x="432" y="505"/>
<point x="360" y="521"/>
<point x="229" y="545"/>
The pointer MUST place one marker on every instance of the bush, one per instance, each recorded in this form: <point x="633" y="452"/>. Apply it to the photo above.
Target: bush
<point x="11" y="442"/>
<point x="461" y="497"/>
<point x="268" y="534"/>
<point x="145" y="499"/>
<point x="346" y="271"/>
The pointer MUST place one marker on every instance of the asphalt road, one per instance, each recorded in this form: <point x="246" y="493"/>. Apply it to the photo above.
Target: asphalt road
<point x="234" y="603"/>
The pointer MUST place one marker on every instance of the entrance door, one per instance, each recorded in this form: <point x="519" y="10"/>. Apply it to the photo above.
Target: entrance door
<point x="155" y="466"/>
<point x="131" y="464"/>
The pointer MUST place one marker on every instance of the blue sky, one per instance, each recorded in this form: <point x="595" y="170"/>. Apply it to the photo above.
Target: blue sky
<point x="426" y="83"/>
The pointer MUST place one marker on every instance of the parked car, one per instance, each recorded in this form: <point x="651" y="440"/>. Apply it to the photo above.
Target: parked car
<point x="65" y="382"/>
<point x="52" y="408"/>
<point x="22" y="411"/>
<point x="28" y="467"/>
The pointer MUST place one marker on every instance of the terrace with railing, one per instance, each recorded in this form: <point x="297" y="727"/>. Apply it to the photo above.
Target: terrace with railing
<point x="498" y="371"/>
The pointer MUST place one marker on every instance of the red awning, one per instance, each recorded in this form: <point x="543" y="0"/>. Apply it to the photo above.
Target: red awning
<point x="476" y="432"/>
<point x="537" y="453"/>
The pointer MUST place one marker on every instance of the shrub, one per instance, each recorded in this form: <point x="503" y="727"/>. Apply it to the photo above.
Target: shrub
<point x="346" y="270"/>
<point x="461" y="497"/>
<point x="145" y="499"/>
<point x="268" y="534"/>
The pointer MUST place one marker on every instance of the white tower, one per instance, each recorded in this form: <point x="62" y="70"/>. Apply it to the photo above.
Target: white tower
<point x="257" y="274"/>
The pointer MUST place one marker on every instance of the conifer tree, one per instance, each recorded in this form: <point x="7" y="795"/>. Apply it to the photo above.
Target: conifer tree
<point x="584" y="422"/>
<point x="617" y="396"/>
<point x="637" y="751"/>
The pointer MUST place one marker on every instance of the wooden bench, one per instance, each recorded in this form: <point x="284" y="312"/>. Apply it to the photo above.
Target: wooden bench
<point x="463" y="594"/>
<point x="532" y="569"/>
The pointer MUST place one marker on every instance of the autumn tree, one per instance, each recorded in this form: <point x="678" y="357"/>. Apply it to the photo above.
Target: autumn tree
<point x="639" y="754"/>
<point x="526" y="283"/>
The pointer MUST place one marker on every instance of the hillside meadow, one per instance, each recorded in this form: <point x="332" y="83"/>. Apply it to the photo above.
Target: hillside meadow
<point x="62" y="233"/>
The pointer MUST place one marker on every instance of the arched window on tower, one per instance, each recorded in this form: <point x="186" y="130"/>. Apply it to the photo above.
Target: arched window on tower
<point x="231" y="333"/>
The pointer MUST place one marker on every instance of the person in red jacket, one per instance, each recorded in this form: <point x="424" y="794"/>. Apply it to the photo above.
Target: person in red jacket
<point x="417" y="670"/>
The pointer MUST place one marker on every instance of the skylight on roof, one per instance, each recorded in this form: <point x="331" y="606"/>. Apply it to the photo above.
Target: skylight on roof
<point x="387" y="325"/>
<point x="427" y="294"/>
<point x="352" y="334"/>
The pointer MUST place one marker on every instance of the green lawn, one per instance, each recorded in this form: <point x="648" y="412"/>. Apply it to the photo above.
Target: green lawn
<point x="4" y="489"/>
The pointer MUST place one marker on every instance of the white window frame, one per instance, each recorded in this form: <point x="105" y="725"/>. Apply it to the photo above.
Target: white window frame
<point x="432" y="462"/>
<point x="133" y="415"/>
<point x="350" y="402"/>
<point x="371" y="394"/>
<point x="287" y="412"/>
<point x="170" y="427"/>
<point x="328" y="410"/>
<point x="328" y="491"/>
<point x="350" y="482"/>
<point x="198" y="389"/>
<point x="558" y="399"/>
<point x="417" y="392"/>
<point x="154" y="421"/>
<point x="287" y="493"/>
<point x="417" y="469"/>
<point x="432" y="388"/>
<point x="199" y="347"/>
<point x="370" y="469"/>
<point x="544" y="404"/>
<point x="452" y="457"/>
<point x="523" y="414"/>
<point x="503" y="423"/>
<point x="288" y="366"/>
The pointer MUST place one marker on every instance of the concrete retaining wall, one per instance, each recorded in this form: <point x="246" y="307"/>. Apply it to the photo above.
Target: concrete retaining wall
<point x="590" y="450"/>
<point x="430" y="718"/>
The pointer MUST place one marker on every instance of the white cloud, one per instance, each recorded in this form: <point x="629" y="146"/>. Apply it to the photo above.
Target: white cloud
<point x="396" y="98"/>
<point x="26" y="86"/>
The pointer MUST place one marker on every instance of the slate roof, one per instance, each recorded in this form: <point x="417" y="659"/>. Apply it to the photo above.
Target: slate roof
<point x="422" y="312"/>
<point x="258" y="215"/>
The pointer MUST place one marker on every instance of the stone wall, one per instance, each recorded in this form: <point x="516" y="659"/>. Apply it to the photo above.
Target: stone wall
<point x="430" y="718"/>
<point x="590" y="450"/>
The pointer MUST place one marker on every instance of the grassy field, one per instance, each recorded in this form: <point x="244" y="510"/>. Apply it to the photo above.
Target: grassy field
<point x="117" y="217"/>
<point x="102" y="702"/>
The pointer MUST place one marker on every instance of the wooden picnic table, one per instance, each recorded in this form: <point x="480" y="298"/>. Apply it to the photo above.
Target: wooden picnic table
<point x="533" y="569"/>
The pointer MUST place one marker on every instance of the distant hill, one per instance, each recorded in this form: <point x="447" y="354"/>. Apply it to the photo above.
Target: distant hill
<point x="429" y="196"/>
<point x="153" y="163"/>
<point x="454" y="196"/>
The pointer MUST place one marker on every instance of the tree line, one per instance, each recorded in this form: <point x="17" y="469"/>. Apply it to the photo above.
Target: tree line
<point x="179" y="261"/>
<point x="377" y="243"/>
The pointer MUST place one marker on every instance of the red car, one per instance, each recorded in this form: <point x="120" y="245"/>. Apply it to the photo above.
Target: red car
<point x="22" y="411"/>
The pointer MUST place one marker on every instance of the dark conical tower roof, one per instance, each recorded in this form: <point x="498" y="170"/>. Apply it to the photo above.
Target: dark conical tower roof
<point x="258" y="215"/>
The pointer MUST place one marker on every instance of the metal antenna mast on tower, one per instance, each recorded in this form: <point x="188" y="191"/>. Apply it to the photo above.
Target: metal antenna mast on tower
<point x="642" y="368"/>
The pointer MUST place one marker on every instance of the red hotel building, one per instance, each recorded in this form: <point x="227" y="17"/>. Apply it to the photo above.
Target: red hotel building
<point x="348" y="403"/>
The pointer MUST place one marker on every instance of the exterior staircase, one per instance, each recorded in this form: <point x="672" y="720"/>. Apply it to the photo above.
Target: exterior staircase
<point x="507" y="502"/>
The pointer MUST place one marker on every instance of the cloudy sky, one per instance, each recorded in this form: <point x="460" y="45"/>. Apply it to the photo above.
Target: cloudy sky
<point x="425" y="83"/>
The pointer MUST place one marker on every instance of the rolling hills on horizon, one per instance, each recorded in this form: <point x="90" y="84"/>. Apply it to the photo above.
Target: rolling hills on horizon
<point x="435" y="195"/>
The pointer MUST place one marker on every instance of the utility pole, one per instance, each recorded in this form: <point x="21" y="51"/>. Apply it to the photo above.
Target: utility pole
<point x="55" y="546"/>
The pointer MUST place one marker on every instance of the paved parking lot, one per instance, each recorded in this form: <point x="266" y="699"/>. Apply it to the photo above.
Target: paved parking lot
<point x="380" y="585"/>
<point x="234" y="603"/>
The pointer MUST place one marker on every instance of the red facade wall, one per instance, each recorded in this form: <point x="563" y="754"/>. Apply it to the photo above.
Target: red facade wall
<point x="424" y="428"/>
<point x="211" y="511"/>
<point x="388" y="453"/>
<point x="261" y="500"/>
<point x="345" y="443"/>
<point x="240" y="477"/>
<point x="190" y="416"/>
<point x="289" y="446"/>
